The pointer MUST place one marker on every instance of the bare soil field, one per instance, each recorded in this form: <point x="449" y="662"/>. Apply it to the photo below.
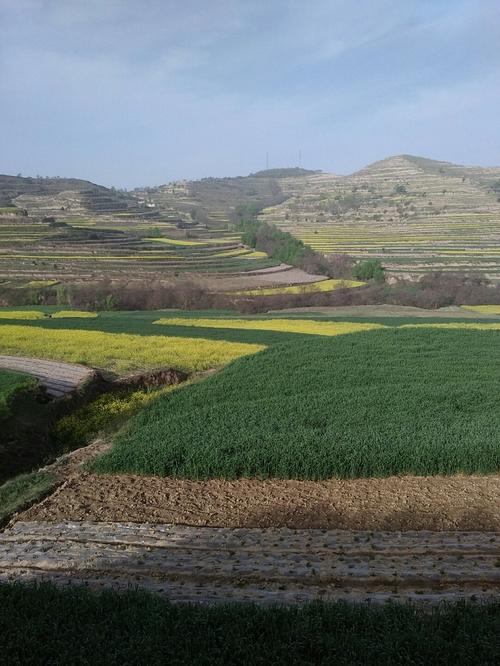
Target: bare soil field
<point x="259" y="565"/>
<point x="394" y="503"/>
<point x="278" y="276"/>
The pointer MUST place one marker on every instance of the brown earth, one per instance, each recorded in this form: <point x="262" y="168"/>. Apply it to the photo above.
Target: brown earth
<point x="394" y="503"/>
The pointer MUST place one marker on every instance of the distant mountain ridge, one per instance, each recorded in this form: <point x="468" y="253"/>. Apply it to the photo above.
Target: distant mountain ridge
<point x="213" y="200"/>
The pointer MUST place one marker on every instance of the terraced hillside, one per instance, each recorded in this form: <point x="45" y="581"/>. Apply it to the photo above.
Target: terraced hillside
<point x="416" y="214"/>
<point x="211" y="201"/>
<point x="60" y="229"/>
<point x="53" y="196"/>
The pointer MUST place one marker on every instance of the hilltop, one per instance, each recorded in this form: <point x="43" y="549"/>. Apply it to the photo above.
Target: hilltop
<point x="213" y="200"/>
<point x="414" y="213"/>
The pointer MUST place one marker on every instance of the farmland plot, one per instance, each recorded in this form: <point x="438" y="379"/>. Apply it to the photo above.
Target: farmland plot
<point x="376" y="403"/>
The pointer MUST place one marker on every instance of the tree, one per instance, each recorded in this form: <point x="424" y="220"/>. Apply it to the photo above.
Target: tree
<point x="369" y="269"/>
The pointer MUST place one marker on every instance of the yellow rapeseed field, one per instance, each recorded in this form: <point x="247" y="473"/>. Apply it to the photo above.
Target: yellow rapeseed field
<point x="256" y="254"/>
<point x="323" y="285"/>
<point x="80" y="314"/>
<point x="232" y="253"/>
<point x="456" y="324"/>
<point x="485" y="309"/>
<point x="121" y="352"/>
<point x="175" y="241"/>
<point x="21" y="314"/>
<point x="309" y="327"/>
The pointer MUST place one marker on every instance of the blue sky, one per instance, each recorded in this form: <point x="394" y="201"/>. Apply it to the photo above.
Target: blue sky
<point x="137" y="92"/>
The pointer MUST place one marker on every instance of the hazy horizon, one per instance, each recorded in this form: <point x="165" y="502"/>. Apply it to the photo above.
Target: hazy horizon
<point x="129" y="94"/>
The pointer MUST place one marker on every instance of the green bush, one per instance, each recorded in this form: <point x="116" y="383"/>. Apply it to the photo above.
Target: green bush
<point x="369" y="269"/>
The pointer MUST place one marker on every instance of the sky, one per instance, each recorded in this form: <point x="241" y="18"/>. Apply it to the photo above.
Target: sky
<point x="142" y="92"/>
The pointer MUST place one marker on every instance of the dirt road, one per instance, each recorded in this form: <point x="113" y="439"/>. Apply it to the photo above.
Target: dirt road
<point x="57" y="378"/>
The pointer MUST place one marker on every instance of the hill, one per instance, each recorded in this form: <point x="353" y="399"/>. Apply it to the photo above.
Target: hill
<point x="416" y="214"/>
<point x="51" y="196"/>
<point x="58" y="229"/>
<point x="212" y="200"/>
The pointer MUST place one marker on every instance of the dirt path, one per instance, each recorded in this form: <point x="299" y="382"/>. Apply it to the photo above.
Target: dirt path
<point x="394" y="503"/>
<point x="260" y="565"/>
<point x="58" y="378"/>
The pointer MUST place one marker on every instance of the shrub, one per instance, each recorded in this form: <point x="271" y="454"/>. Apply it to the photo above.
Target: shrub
<point x="370" y="269"/>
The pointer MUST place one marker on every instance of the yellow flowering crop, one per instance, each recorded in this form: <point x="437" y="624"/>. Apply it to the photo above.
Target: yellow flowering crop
<point x="237" y="252"/>
<point x="256" y="254"/>
<point x="120" y="351"/>
<point x="307" y="288"/>
<point x="485" y="309"/>
<point x="21" y="314"/>
<point x="81" y="314"/>
<point x="175" y="241"/>
<point x="458" y="324"/>
<point x="307" y="326"/>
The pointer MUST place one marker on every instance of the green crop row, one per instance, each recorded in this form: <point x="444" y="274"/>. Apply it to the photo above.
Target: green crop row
<point x="390" y="401"/>
<point x="139" y="628"/>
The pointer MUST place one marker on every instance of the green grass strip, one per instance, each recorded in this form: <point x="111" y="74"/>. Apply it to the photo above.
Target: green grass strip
<point x="44" y="625"/>
<point x="10" y="384"/>
<point x="23" y="491"/>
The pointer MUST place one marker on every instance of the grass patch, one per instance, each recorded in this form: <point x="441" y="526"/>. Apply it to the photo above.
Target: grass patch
<point x="22" y="491"/>
<point x="120" y="351"/>
<point x="138" y="628"/>
<point x="389" y="401"/>
<point x="10" y="384"/>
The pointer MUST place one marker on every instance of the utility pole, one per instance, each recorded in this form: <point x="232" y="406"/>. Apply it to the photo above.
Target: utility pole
<point x="300" y="157"/>
<point x="267" y="160"/>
